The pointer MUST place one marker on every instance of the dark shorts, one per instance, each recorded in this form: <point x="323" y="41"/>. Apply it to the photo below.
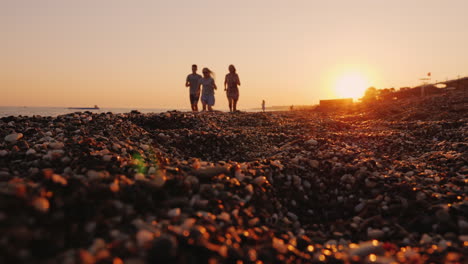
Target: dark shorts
<point x="208" y="99"/>
<point x="194" y="98"/>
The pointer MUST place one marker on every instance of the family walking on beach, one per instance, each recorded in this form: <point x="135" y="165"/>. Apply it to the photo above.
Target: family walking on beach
<point x="207" y="84"/>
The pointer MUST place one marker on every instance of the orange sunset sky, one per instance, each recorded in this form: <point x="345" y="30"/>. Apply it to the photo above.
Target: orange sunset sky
<point x="117" y="53"/>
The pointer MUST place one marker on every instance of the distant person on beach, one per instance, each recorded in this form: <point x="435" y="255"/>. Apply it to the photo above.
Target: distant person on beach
<point x="208" y="86"/>
<point x="192" y="82"/>
<point x="263" y="105"/>
<point x="230" y="86"/>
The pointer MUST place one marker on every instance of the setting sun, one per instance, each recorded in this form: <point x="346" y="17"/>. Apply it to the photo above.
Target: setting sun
<point x="351" y="85"/>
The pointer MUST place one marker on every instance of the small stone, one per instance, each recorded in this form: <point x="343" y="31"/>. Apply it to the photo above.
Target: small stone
<point x="367" y="248"/>
<point x="211" y="171"/>
<point x="375" y="233"/>
<point x="12" y="138"/>
<point x="145" y="147"/>
<point x="359" y="207"/>
<point x="143" y="237"/>
<point x="152" y="170"/>
<point x="279" y="245"/>
<point x="292" y="216"/>
<point x="56" y="145"/>
<point x="312" y="142"/>
<point x="174" y="212"/>
<point x="159" y="179"/>
<point x="463" y="225"/>
<point x="59" y="179"/>
<point x="314" y="163"/>
<point x="114" y="187"/>
<point x="95" y="175"/>
<point x="224" y="217"/>
<point x="139" y="176"/>
<point x="30" y="152"/>
<point x="260" y="180"/>
<point x="41" y="204"/>
<point x="249" y="188"/>
<point x="3" y="153"/>
<point x="425" y="239"/>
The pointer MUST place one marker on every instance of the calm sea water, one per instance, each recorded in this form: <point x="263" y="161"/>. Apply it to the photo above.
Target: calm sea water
<point x="55" y="111"/>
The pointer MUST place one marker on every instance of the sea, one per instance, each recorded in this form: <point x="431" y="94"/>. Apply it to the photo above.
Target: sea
<point x="56" y="111"/>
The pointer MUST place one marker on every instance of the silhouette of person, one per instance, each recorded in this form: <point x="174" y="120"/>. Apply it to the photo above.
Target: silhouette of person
<point x="263" y="105"/>
<point x="192" y="82"/>
<point x="230" y="86"/>
<point x="208" y="86"/>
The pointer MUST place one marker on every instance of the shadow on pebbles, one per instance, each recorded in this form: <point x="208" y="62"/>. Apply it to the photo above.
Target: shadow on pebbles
<point x="280" y="187"/>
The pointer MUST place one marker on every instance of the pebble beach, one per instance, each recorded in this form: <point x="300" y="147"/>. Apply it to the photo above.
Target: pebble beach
<point x="381" y="183"/>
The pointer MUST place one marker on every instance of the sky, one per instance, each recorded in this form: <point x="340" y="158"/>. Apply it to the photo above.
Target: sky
<point x="137" y="54"/>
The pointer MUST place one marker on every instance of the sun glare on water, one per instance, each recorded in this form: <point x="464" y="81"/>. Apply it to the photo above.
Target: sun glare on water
<point x="351" y="85"/>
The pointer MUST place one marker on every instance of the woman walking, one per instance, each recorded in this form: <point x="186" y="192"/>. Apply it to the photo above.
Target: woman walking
<point x="230" y="86"/>
<point x="208" y="86"/>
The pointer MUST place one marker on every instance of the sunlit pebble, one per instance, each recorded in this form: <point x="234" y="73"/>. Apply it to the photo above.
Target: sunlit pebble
<point x="249" y="188"/>
<point x="30" y="152"/>
<point x="260" y="180"/>
<point x="145" y="147"/>
<point x="41" y="204"/>
<point x="159" y="179"/>
<point x="174" y="212"/>
<point x="114" y="187"/>
<point x="252" y="254"/>
<point x="322" y="257"/>
<point x="56" y="145"/>
<point x="151" y="170"/>
<point x="279" y="245"/>
<point x="117" y="261"/>
<point x="139" y="176"/>
<point x="85" y="257"/>
<point x="372" y="257"/>
<point x="224" y="217"/>
<point x="59" y="179"/>
<point x="144" y="236"/>
<point x="12" y="138"/>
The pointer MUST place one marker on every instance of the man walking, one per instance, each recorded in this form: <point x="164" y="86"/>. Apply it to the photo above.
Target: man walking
<point x="192" y="82"/>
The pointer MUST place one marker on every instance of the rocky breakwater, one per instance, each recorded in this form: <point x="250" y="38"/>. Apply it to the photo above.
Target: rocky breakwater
<point x="232" y="188"/>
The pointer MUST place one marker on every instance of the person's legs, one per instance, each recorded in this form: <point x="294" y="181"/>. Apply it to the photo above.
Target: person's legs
<point x="210" y="102"/>
<point x="234" y="104"/>
<point x="230" y="103"/>
<point x="194" y="102"/>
